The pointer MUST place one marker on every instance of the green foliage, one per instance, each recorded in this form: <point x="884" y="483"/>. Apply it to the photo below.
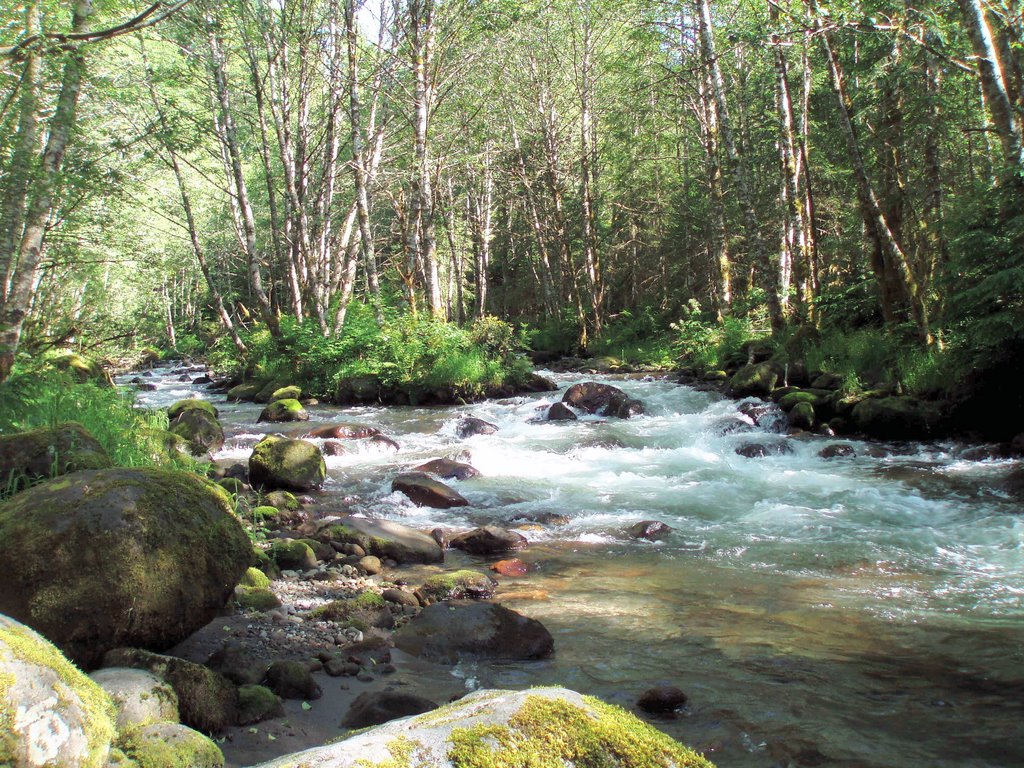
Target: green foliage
<point x="708" y="345"/>
<point x="46" y="398"/>
<point x="642" y="338"/>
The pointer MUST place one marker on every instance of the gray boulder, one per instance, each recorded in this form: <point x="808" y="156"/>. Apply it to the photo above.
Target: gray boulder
<point x="425" y="491"/>
<point x="382" y="538"/>
<point x="488" y="540"/>
<point x="141" y="697"/>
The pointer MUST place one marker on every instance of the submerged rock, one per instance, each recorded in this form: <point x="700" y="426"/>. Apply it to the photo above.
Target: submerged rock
<point x="837" y="450"/>
<point x="512" y="567"/>
<point x="488" y="540"/>
<point x="378" y="707"/>
<point x="343" y="432"/>
<point x="449" y="631"/>
<point x="651" y="530"/>
<point x="50" y="713"/>
<point x="602" y="400"/>
<point x="48" y="452"/>
<point x="469" y="426"/>
<point x="104" y="558"/>
<point x="448" y="469"/>
<point x="760" y="450"/>
<point x="424" y="491"/>
<point x="541" y="726"/>
<point x="284" y="464"/>
<point x="663" y="700"/>
<point x="560" y="412"/>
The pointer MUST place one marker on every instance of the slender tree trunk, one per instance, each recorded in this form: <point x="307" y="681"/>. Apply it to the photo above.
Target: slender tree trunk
<point x="591" y="263"/>
<point x="42" y="198"/>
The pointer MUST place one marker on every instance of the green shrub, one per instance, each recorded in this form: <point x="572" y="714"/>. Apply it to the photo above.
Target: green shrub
<point x="708" y="345"/>
<point x="642" y="338"/>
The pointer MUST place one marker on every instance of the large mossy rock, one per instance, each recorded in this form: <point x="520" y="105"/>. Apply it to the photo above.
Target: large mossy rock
<point x="282" y="463"/>
<point x="141" y="698"/>
<point x="51" y="714"/>
<point x="754" y="380"/>
<point x="382" y="538"/>
<point x="508" y="729"/>
<point x="83" y="369"/>
<point x="201" y="428"/>
<point x="458" y="585"/>
<point x="450" y="631"/>
<point x="189" y="404"/>
<point x="48" y="452"/>
<point x="286" y="409"/>
<point x="103" y="558"/>
<point x="172" y="745"/>
<point x="602" y="400"/>
<point x="896" y="418"/>
<point x="247" y="390"/>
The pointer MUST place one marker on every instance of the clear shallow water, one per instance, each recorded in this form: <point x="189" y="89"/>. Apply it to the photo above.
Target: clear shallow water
<point x="860" y="611"/>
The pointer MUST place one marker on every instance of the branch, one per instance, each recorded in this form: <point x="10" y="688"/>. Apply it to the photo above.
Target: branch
<point x="148" y="18"/>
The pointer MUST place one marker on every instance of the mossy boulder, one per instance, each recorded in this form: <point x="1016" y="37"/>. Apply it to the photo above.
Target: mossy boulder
<point x="202" y="430"/>
<point x="104" y="558"/>
<point x="51" y="714"/>
<point x="255" y="599"/>
<point x="425" y="491"/>
<point x="165" y="447"/>
<point x="257" y="703"/>
<point x="292" y="680"/>
<point x="207" y="700"/>
<point x="282" y="501"/>
<point x="896" y="418"/>
<point x="268" y="390"/>
<point x="802" y="416"/>
<point x="458" y="585"/>
<point x="792" y="399"/>
<point x="286" y="393"/>
<point x="488" y="540"/>
<point x="171" y="745"/>
<point x="282" y="463"/>
<point x="292" y="555"/>
<point x="254" y="578"/>
<point x="283" y="410"/>
<point x="602" y="400"/>
<point x="48" y="452"/>
<point x="191" y="403"/>
<point x="382" y="538"/>
<point x="247" y="390"/>
<point x="362" y="612"/>
<point x="448" y="632"/>
<point x="756" y="379"/>
<point x="141" y="697"/>
<point x="508" y="729"/>
<point x="83" y="369"/>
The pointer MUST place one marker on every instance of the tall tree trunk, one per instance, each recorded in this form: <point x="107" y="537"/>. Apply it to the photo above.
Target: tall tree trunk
<point x="42" y="198"/>
<point x="585" y="89"/>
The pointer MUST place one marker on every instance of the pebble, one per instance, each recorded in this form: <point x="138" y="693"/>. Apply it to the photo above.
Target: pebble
<point x="364" y="677"/>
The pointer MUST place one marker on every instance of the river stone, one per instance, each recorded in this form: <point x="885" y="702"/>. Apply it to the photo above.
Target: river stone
<point x="83" y="369"/>
<point x="895" y="418"/>
<point x="207" y="700"/>
<point x="760" y="450"/>
<point x="170" y="745"/>
<point x="602" y="399"/>
<point x="202" y="430"/>
<point x="383" y="441"/>
<point x="247" y="390"/>
<point x="377" y="707"/>
<point x="459" y="585"/>
<point x="425" y="491"/>
<point x="333" y="448"/>
<point x="342" y="432"/>
<point x="140" y="696"/>
<point x="449" y="631"/>
<point x="51" y="714"/>
<point x="272" y="386"/>
<point x="383" y="538"/>
<point x="836" y="451"/>
<point x="186" y="405"/>
<point x="48" y="452"/>
<point x="560" y="412"/>
<point x="468" y="426"/>
<point x="400" y="597"/>
<point x="257" y="703"/>
<point x="756" y="379"/>
<point x="281" y="463"/>
<point x="488" y="540"/>
<point x="104" y="558"/>
<point x="651" y="530"/>
<point x="540" y="726"/>
<point x="362" y="612"/>
<point x="292" y="555"/>
<point x="287" y="409"/>
<point x="448" y="469"/>
<point x="286" y="393"/>
<point x="662" y="700"/>
<point x="292" y="680"/>
<point x="802" y="416"/>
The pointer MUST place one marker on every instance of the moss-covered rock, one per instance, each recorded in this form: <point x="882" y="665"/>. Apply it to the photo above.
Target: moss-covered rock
<point x="257" y="703"/>
<point x="292" y="680"/>
<point x="48" y="452"/>
<point x="458" y="585"/>
<point x="185" y="405"/>
<point x="383" y="538"/>
<point x="268" y="390"/>
<point x="166" y="447"/>
<point x="286" y="393"/>
<point x="508" y="729"/>
<point x="362" y="612"/>
<point x="283" y="501"/>
<point x="757" y="379"/>
<point x="207" y="700"/>
<point x="104" y="558"/>
<point x="896" y="418"/>
<point x="292" y="554"/>
<point x="802" y="416"/>
<point x="281" y="463"/>
<point x="83" y="369"/>
<point x="283" y="410"/>
<point x="141" y="697"/>
<point x="789" y="401"/>
<point x="171" y="745"/>
<point x="202" y="430"/>
<point x="255" y="599"/>
<point x="254" y="578"/>
<point x="247" y="390"/>
<point x="51" y="714"/>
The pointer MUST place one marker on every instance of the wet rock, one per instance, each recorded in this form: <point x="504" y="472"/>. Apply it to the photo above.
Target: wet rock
<point x="207" y="701"/>
<point x="257" y="703"/>
<point x="460" y="585"/>
<point x="827" y="381"/>
<point x="756" y="379"/>
<point x="191" y="404"/>
<point x="383" y="538"/>
<point x="377" y="707"/>
<point x="537" y="383"/>
<point x="400" y="597"/>
<point x="140" y="696"/>
<point x="48" y="452"/>
<point x="488" y="540"/>
<point x="238" y="471"/>
<point x="292" y="680"/>
<point x="545" y="518"/>
<point x="602" y="400"/>
<point x="651" y="530"/>
<point x="662" y="700"/>
<point x="343" y="432"/>
<point x="333" y="448"/>
<point x="200" y="380"/>
<point x="761" y="450"/>
<point x="764" y="415"/>
<point x="281" y="463"/>
<point x="282" y="411"/>
<point x="383" y="441"/>
<point x="104" y="558"/>
<point x="836" y="451"/>
<point x="75" y="724"/>
<point x="469" y="426"/>
<point x="246" y="390"/>
<point x="424" y="491"/>
<point x="560" y="412"/>
<point x="369" y="652"/>
<point x="446" y="632"/>
<point x="896" y="418"/>
<point x="512" y="568"/>
<point x="448" y="469"/>
<point x="802" y="416"/>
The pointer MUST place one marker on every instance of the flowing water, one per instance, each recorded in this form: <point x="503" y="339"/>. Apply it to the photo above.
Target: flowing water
<point x="864" y="611"/>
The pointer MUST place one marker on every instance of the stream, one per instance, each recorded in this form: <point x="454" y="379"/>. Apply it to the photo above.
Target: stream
<point x="859" y="611"/>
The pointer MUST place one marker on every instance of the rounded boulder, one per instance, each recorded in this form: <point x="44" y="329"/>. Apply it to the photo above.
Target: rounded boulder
<point x="282" y="463"/>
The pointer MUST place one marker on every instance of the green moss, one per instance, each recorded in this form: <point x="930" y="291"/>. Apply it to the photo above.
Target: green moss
<point x="254" y="578"/>
<point x="263" y="513"/>
<point x="282" y="463"/>
<point x="255" y="599"/>
<point x="286" y="393"/>
<point x="246" y="390"/>
<point x="283" y="501"/>
<point x="191" y="404"/>
<point x="257" y="703"/>
<point x="284" y="410"/>
<point x="98" y="709"/>
<point x="292" y="554"/>
<point x="457" y="585"/>
<point x="551" y="733"/>
<point x="401" y="750"/>
<point x="790" y="401"/>
<point x="343" y="610"/>
<point x="175" y="747"/>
